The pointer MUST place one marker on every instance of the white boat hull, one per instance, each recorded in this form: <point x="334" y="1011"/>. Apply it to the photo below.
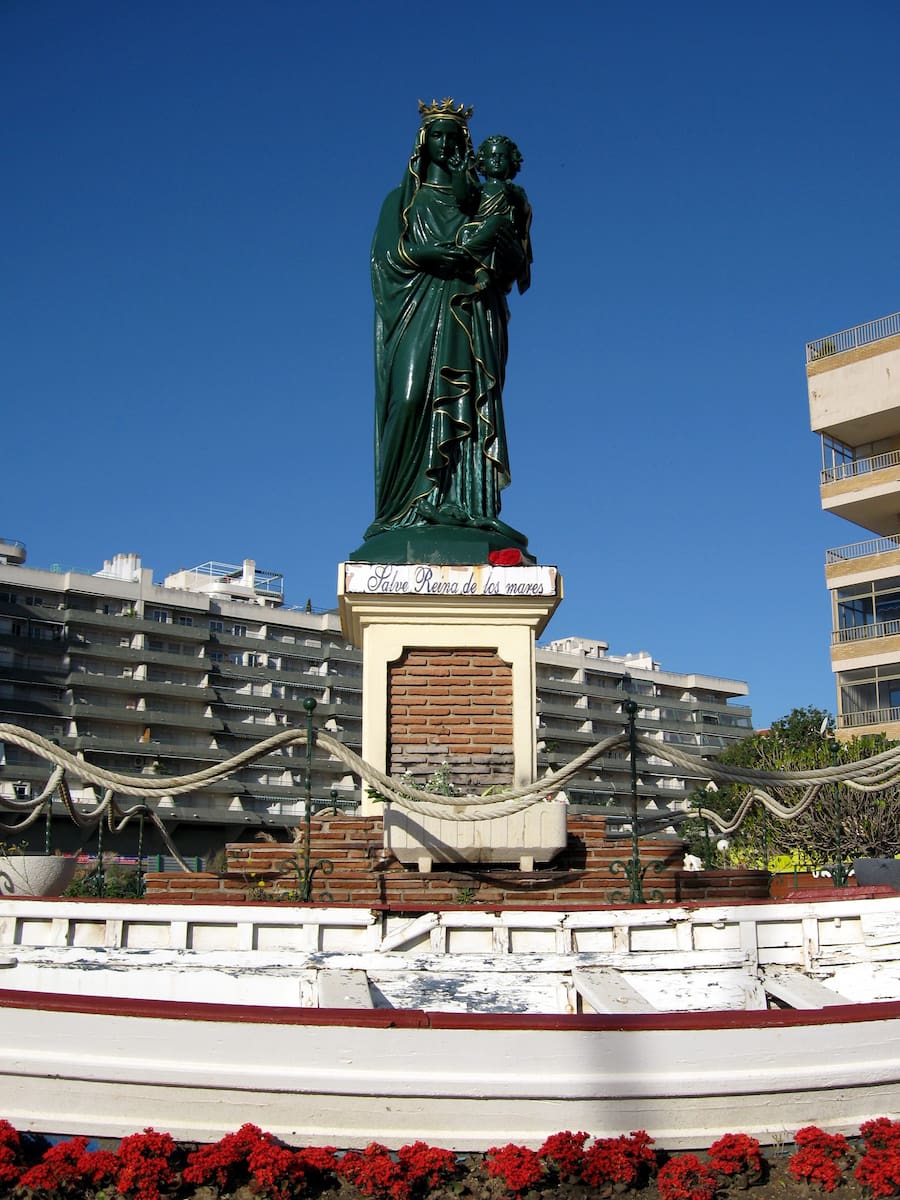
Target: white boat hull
<point x="102" y="1039"/>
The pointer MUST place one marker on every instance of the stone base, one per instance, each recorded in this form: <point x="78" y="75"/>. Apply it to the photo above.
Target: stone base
<point x="448" y="674"/>
<point x="438" y="544"/>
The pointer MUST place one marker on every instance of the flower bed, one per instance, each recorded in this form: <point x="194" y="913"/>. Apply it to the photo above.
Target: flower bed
<point x="253" y="1165"/>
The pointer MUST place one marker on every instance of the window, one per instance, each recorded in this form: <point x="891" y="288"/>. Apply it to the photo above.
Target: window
<point x="217" y="627"/>
<point x="216" y="656"/>
<point x="158" y="614"/>
<point x="239" y="630"/>
<point x="185" y="620"/>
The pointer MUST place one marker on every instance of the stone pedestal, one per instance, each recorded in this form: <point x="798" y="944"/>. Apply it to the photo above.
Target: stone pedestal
<point x="448" y="677"/>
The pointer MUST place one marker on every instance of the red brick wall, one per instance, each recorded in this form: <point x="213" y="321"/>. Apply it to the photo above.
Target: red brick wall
<point x="580" y="875"/>
<point x="455" y="706"/>
<point x="733" y="884"/>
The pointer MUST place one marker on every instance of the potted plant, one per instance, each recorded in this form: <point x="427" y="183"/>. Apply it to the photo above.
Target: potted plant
<point x="33" y="873"/>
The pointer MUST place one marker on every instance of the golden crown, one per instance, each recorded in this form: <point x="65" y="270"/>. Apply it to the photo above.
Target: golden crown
<point x="444" y="111"/>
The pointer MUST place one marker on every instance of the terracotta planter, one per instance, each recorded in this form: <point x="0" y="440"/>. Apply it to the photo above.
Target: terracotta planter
<point x="35" y="874"/>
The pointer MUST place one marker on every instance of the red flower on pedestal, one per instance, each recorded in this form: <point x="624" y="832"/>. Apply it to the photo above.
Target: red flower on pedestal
<point x="505" y="558"/>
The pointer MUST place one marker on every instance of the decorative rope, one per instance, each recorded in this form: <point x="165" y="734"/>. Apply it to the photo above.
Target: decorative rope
<point x="869" y="775"/>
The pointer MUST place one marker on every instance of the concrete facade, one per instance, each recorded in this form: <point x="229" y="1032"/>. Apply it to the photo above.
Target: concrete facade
<point x="139" y="676"/>
<point x="854" y="404"/>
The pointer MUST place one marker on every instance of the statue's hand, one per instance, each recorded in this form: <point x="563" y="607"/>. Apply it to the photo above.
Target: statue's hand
<point x="446" y="262"/>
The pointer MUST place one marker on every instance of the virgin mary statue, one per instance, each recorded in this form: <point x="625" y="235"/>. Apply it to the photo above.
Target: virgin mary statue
<point x="441" y="458"/>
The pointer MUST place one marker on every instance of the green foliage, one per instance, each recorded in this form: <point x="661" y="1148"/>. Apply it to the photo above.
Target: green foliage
<point x="869" y="822"/>
<point x="13" y="849"/>
<point x="119" y="883"/>
<point x="440" y="782"/>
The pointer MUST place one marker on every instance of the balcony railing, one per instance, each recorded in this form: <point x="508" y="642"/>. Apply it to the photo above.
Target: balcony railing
<point x="860" y="633"/>
<point x="871" y="716"/>
<point x="849" y="339"/>
<point x="860" y="466"/>
<point x="882" y="545"/>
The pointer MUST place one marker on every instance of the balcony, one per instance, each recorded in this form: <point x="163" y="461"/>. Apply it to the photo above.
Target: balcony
<point x="852" y="339"/>
<point x="854" y="382"/>
<point x="861" y="633"/>
<point x="865" y="491"/>
<point x="877" y="557"/>
<point x="871" y="720"/>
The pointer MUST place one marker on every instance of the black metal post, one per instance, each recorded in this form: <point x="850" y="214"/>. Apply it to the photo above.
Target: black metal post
<point x="101" y="881"/>
<point x="309" y="705"/>
<point x="141" y="856"/>
<point x="635" y="881"/>
<point x="841" y="873"/>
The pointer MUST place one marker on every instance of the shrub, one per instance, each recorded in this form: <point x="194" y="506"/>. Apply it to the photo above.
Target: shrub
<point x="250" y="1156"/>
<point x="736" y="1154"/>
<point x="69" y="1169"/>
<point x="565" y="1153"/>
<point x="687" y="1178"/>
<point x="879" y="1170"/>
<point x="425" y="1166"/>
<point x="821" y="1158"/>
<point x="375" y="1173"/>
<point x="144" y="1165"/>
<point x="619" y="1160"/>
<point x="223" y="1163"/>
<point x="518" y="1167"/>
<point x="880" y="1133"/>
<point x="10" y="1154"/>
<point x="879" y="1167"/>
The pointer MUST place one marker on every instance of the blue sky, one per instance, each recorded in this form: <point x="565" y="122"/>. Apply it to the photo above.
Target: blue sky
<point x="189" y="198"/>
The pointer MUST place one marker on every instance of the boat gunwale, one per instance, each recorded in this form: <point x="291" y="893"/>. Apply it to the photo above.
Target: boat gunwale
<point x="387" y="1018"/>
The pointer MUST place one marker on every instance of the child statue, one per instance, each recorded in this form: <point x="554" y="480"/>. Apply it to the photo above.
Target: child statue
<point x="500" y="201"/>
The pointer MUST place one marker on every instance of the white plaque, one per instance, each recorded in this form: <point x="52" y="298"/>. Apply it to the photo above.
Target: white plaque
<point x="423" y="579"/>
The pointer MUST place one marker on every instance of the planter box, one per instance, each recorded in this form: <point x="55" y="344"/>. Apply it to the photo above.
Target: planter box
<point x="35" y="874"/>
<point x="877" y="871"/>
<point x="535" y="834"/>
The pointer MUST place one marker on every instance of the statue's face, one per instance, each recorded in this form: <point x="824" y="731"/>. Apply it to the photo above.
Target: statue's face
<point x="442" y="141"/>
<point x="497" y="160"/>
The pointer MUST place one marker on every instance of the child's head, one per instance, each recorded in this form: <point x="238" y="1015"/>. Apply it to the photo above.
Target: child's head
<point x="498" y="157"/>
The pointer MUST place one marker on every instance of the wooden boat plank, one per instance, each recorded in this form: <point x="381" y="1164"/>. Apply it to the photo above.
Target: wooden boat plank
<point x="607" y="990"/>
<point x="343" y="989"/>
<point x="880" y="929"/>
<point x="800" y="991"/>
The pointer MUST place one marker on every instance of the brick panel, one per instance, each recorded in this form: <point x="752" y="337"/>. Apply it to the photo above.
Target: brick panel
<point x="454" y="706"/>
<point x="579" y="876"/>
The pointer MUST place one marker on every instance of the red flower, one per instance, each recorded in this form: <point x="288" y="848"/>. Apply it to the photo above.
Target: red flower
<point x="880" y="1133"/>
<point x="505" y="558"/>
<point x="879" y="1170"/>
<point x="617" y="1160"/>
<point x="735" y="1154"/>
<point x="821" y="1158"/>
<point x="144" y="1169"/>
<point x="687" y="1178"/>
<point x="375" y="1173"/>
<point x="426" y="1166"/>
<point x="518" y="1167"/>
<point x="10" y="1149"/>
<point x="566" y="1152"/>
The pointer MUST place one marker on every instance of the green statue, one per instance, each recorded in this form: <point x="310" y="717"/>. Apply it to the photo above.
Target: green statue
<point x="446" y="252"/>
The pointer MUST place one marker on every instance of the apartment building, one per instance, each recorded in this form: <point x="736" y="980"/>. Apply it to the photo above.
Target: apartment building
<point x="167" y="678"/>
<point x="854" y="404"/>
